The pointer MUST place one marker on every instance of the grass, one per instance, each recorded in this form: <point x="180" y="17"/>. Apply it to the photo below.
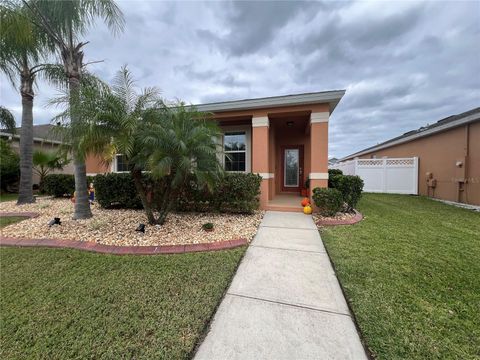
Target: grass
<point x="8" y="197"/>
<point x="59" y="303"/>
<point x="411" y="273"/>
<point x="7" y="220"/>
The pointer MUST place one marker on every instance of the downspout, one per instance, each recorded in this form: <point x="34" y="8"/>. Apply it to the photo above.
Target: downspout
<point x="466" y="151"/>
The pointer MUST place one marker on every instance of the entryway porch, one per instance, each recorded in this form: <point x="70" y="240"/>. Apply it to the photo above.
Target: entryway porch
<point x="285" y="202"/>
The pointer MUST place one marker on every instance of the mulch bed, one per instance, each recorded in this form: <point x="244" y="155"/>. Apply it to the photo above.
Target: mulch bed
<point x="339" y="219"/>
<point x="117" y="227"/>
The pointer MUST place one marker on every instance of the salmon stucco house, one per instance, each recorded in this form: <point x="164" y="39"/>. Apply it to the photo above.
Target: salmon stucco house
<point x="284" y="139"/>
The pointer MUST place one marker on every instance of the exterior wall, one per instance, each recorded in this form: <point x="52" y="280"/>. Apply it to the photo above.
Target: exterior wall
<point x="95" y="166"/>
<point x="438" y="154"/>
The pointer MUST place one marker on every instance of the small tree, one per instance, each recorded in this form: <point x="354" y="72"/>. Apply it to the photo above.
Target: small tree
<point x="169" y="144"/>
<point x="44" y="162"/>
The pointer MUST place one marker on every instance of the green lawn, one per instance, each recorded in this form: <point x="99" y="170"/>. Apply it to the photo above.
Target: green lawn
<point x="8" y="197"/>
<point x="7" y="220"/>
<point x="411" y="272"/>
<point x="59" y="304"/>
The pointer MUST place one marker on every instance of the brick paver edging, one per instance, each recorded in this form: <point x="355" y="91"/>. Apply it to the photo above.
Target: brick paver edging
<point x="113" y="249"/>
<point x="331" y="222"/>
<point x="19" y="214"/>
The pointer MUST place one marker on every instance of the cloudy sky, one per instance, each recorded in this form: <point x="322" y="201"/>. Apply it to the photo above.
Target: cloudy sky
<point x="403" y="64"/>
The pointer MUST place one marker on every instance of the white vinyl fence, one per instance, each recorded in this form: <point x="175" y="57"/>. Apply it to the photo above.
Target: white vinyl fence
<point x="394" y="175"/>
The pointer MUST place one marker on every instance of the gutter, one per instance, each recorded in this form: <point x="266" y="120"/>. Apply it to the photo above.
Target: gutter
<point x="428" y="132"/>
<point x="41" y="140"/>
<point x="332" y="97"/>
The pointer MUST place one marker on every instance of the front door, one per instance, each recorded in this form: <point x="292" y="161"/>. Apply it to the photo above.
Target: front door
<point x="292" y="168"/>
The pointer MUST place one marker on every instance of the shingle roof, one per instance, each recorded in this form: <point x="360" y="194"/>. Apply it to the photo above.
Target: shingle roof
<point x="40" y="132"/>
<point x="427" y="130"/>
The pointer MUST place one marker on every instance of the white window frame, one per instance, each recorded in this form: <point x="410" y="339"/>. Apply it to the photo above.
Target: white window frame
<point x="248" y="144"/>
<point x="114" y="165"/>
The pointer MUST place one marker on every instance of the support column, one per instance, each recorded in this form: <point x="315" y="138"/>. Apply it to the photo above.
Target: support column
<point x="319" y="150"/>
<point x="260" y="156"/>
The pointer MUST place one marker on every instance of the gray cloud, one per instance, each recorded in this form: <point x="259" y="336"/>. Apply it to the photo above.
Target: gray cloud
<point x="403" y="64"/>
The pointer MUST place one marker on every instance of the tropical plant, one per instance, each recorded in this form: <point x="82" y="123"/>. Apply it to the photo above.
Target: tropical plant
<point x="22" y="49"/>
<point x="65" y="22"/>
<point x="9" y="165"/>
<point x="7" y="120"/>
<point x="172" y="143"/>
<point x="44" y="162"/>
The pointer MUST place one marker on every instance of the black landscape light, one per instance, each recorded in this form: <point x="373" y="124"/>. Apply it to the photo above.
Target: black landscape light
<point x="55" y="221"/>
<point x="140" y="228"/>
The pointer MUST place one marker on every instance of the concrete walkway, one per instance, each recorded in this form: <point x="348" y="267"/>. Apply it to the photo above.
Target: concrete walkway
<point x="285" y="301"/>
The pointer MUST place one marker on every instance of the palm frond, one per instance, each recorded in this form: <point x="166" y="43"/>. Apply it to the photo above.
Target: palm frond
<point x="7" y="120"/>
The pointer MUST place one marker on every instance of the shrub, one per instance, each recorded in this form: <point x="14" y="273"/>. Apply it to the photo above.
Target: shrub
<point x="332" y="172"/>
<point x="116" y="191"/>
<point x="351" y="188"/>
<point x="329" y="201"/>
<point x="334" y="181"/>
<point x="332" y="177"/>
<point x="237" y="193"/>
<point x="9" y="165"/>
<point x="60" y="185"/>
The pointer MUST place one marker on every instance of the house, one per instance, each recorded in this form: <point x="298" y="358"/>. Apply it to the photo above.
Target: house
<point x="284" y="139"/>
<point x="44" y="139"/>
<point x="448" y="153"/>
<point x="332" y="161"/>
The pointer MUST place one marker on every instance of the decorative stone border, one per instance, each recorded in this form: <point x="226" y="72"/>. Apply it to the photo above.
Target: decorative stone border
<point x="113" y="249"/>
<point x="332" y="222"/>
<point x="122" y="250"/>
<point x="19" y="214"/>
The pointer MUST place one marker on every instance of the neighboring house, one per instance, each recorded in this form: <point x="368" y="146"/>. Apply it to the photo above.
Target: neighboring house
<point x="448" y="154"/>
<point x="332" y="161"/>
<point x="284" y="139"/>
<point x="43" y="139"/>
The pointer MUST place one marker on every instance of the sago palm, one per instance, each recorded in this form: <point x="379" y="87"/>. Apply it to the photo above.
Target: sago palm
<point x="65" y="22"/>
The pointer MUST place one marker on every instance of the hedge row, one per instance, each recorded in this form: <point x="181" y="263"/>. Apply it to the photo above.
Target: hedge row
<point x="236" y="193"/>
<point x="60" y="185"/>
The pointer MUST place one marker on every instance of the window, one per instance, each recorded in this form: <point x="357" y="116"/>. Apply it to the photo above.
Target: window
<point x="235" y="148"/>
<point x="121" y="163"/>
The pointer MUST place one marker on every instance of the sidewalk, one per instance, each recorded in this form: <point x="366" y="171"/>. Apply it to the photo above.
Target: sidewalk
<point x="285" y="301"/>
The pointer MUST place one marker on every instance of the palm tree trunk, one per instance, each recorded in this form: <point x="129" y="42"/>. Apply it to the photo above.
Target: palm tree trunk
<point x="147" y="205"/>
<point x="25" y="194"/>
<point x="82" y="205"/>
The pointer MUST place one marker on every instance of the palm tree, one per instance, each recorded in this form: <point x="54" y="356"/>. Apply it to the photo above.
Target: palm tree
<point x="173" y="144"/>
<point x="22" y="48"/>
<point x="65" y="22"/>
<point x="44" y="162"/>
<point x="7" y="120"/>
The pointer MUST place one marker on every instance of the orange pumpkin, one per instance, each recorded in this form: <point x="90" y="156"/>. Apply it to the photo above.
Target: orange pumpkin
<point x="305" y="201"/>
<point x="307" y="210"/>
